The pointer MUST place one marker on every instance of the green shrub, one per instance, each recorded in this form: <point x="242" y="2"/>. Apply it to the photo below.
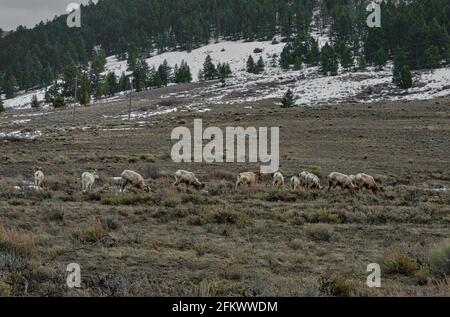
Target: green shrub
<point x="288" y="99"/>
<point x="194" y="220"/>
<point x="319" y="232"/>
<point x="439" y="260"/>
<point x="276" y="195"/>
<point x="226" y="217"/>
<point x="315" y="170"/>
<point x="5" y="289"/>
<point x="133" y="160"/>
<point x="93" y="196"/>
<point x="336" y="286"/>
<point x="18" y="242"/>
<point x="93" y="232"/>
<point x="399" y="264"/>
<point x="112" y="223"/>
<point x="148" y="158"/>
<point x="131" y="199"/>
<point x="34" y="102"/>
<point x="58" y="102"/>
<point x="52" y="210"/>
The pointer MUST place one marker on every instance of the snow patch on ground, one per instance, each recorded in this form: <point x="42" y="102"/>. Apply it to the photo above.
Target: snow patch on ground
<point x="310" y="87"/>
<point x="143" y="114"/>
<point x="23" y="99"/>
<point x="20" y="136"/>
<point x="21" y="121"/>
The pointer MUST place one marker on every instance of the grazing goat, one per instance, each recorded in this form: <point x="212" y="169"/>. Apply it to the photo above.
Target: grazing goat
<point x="312" y="181"/>
<point x="88" y="180"/>
<point x="188" y="178"/>
<point x="368" y="182"/>
<point x="338" y="179"/>
<point x="302" y="178"/>
<point x="295" y="182"/>
<point x="249" y="178"/>
<point x="136" y="180"/>
<point x="278" y="180"/>
<point x="309" y="180"/>
<point x="39" y="178"/>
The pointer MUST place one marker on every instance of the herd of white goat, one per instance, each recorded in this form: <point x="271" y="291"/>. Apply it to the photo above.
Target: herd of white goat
<point x="305" y="179"/>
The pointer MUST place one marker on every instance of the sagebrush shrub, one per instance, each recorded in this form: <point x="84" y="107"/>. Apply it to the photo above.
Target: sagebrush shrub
<point x="336" y="286"/>
<point x="18" y="242"/>
<point x="319" y="232"/>
<point x="439" y="260"/>
<point x="399" y="264"/>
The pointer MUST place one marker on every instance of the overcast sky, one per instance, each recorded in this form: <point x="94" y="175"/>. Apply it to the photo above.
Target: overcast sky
<point x="30" y="12"/>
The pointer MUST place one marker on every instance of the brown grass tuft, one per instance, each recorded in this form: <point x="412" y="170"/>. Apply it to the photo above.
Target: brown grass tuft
<point x="19" y="242"/>
<point x="93" y="232"/>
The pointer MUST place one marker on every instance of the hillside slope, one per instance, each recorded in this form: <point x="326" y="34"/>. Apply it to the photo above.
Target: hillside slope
<point x="309" y="84"/>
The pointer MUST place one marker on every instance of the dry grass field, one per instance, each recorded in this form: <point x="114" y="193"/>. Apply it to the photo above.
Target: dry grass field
<point x="222" y="242"/>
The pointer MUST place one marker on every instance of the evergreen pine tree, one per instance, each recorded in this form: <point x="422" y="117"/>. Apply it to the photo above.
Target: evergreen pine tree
<point x="71" y="72"/>
<point x="52" y="93"/>
<point x="183" y="73"/>
<point x="47" y="76"/>
<point x="151" y="77"/>
<point x="431" y="58"/>
<point x="165" y="73"/>
<point x="400" y="60"/>
<point x="10" y="87"/>
<point x="380" y="59"/>
<point x="437" y="34"/>
<point x="288" y="99"/>
<point x="328" y="60"/>
<point x="34" y="102"/>
<point x="298" y="62"/>
<point x="113" y="85"/>
<point x="313" y="53"/>
<point x="132" y="57"/>
<point x="286" y="57"/>
<point x="224" y="72"/>
<point x="405" y="77"/>
<point x="347" y="58"/>
<point x="209" y="71"/>
<point x="200" y="75"/>
<point x="2" y="108"/>
<point x="85" y="90"/>
<point x="85" y="98"/>
<point x="124" y="83"/>
<point x="58" y="102"/>
<point x="260" y="65"/>
<point x="251" y="65"/>
<point x="98" y="62"/>
<point x="2" y="83"/>
<point x="140" y="75"/>
<point x="101" y="89"/>
<point x="157" y="80"/>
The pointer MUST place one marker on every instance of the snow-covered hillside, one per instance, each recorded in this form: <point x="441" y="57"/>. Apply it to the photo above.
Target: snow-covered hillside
<point x="308" y="84"/>
<point x="234" y="53"/>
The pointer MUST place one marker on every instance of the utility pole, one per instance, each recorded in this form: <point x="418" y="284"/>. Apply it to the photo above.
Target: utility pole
<point x="129" y="103"/>
<point x="75" y="101"/>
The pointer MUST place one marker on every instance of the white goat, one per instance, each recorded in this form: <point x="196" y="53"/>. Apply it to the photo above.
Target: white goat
<point x="88" y="180"/>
